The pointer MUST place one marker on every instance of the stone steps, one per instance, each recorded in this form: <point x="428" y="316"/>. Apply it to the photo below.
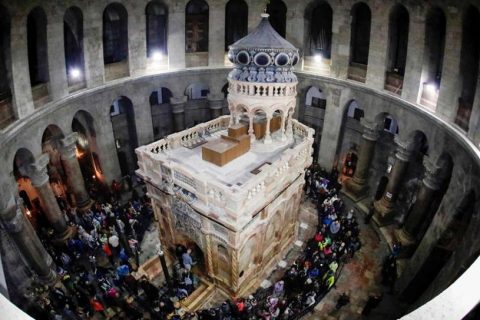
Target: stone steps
<point x="199" y="297"/>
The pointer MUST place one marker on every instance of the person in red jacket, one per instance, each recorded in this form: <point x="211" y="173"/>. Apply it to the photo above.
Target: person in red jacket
<point x="97" y="306"/>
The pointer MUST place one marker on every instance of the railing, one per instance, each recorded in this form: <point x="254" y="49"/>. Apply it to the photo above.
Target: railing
<point x="154" y="161"/>
<point x="257" y="89"/>
<point x="188" y="137"/>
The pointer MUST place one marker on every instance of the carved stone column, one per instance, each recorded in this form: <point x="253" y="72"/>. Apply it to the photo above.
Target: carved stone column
<point x="178" y="112"/>
<point x="209" y="261"/>
<point x="215" y="104"/>
<point x="73" y="171"/>
<point x="251" y="132"/>
<point x="357" y="187"/>
<point x="27" y="241"/>
<point x="282" y="128"/>
<point x="289" y="131"/>
<point x="40" y="180"/>
<point x="384" y="208"/>
<point x="411" y="232"/>
<point x="235" y="272"/>
<point x="268" y="138"/>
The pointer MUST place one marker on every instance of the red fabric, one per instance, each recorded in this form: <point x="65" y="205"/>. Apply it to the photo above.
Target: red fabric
<point x="318" y="237"/>
<point x="240" y="306"/>
<point x="96" y="305"/>
<point x="107" y="250"/>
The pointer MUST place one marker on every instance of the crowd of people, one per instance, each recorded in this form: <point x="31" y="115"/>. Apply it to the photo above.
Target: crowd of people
<point x="309" y="278"/>
<point x="98" y="266"/>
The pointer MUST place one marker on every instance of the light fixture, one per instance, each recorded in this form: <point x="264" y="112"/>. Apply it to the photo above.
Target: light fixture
<point x="157" y="56"/>
<point x="431" y="87"/>
<point x="75" y="73"/>
<point x="318" y="58"/>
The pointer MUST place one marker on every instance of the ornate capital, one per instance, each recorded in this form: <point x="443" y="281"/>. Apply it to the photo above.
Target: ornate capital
<point x="37" y="171"/>
<point x="403" y="152"/>
<point x="432" y="178"/>
<point x="69" y="146"/>
<point x="178" y="104"/>
<point x="13" y="219"/>
<point x="370" y="129"/>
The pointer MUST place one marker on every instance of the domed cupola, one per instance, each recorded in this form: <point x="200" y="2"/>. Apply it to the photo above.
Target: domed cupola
<point x="263" y="56"/>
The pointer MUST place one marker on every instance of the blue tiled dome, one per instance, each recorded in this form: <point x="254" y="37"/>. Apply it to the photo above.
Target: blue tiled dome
<point x="263" y="56"/>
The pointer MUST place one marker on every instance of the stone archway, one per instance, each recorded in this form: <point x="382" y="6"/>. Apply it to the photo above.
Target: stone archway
<point x="183" y="243"/>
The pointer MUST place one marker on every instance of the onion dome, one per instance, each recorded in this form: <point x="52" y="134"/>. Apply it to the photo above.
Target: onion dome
<point x="263" y="56"/>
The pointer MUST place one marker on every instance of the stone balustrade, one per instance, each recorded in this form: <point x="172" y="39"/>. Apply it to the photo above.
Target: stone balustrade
<point x="204" y="191"/>
<point x="262" y="89"/>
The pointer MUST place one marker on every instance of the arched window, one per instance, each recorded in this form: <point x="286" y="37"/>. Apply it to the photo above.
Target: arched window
<point x="73" y="43"/>
<point x="236" y="21"/>
<point x="354" y="111"/>
<point x="435" y="28"/>
<point x="161" y="112"/>
<point x="115" y="33"/>
<point x="4" y="54"/>
<point x="315" y="98"/>
<point x="398" y="40"/>
<point x="197" y="91"/>
<point x="319" y="20"/>
<point x="470" y="56"/>
<point x="157" y="17"/>
<point x="196" y="26"/>
<point x="37" y="46"/>
<point x="278" y="16"/>
<point x="360" y="34"/>
<point x="434" y="45"/>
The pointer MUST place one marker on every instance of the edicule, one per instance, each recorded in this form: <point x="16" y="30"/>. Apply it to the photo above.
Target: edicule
<point x="230" y="188"/>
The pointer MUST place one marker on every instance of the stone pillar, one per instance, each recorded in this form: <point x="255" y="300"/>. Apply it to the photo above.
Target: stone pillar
<point x="57" y="72"/>
<point x="28" y="243"/>
<point x="295" y="24"/>
<point x="332" y="127"/>
<point x="268" y="139"/>
<point x="410" y="234"/>
<point x="340" y="42"/>
<point x="40" y="180"/>
<point x="21" y="89"/>
<point x="215" y="104"/>
<point x="209" y="262"/>
<point x="384" y="209"/>
<point x="216" y="34"/>
<point x="357" y="187"/>
<point x="251" y="132"/>
<point x="289" y="129"/>
<point x="450" y="86"/>
<point x="474" y="124"/>
<point x="143" y="119"/>
<point x="282" y="127"/>
<point x="72" y="170"/>
<point x="377" y="55"/>
<point x="414" y="64"/>
<point x="178" y="112"/>
<point x="137" y="41"/>
<point x="106" y="148"/>
<point x="176" y="35"/>
<point x="93" y="46"/>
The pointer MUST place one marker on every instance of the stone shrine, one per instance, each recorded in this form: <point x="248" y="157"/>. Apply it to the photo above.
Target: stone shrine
<point x="240" y="214"/>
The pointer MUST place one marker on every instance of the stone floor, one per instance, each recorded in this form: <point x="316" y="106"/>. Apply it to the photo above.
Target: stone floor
<point x="359" y="278"/>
